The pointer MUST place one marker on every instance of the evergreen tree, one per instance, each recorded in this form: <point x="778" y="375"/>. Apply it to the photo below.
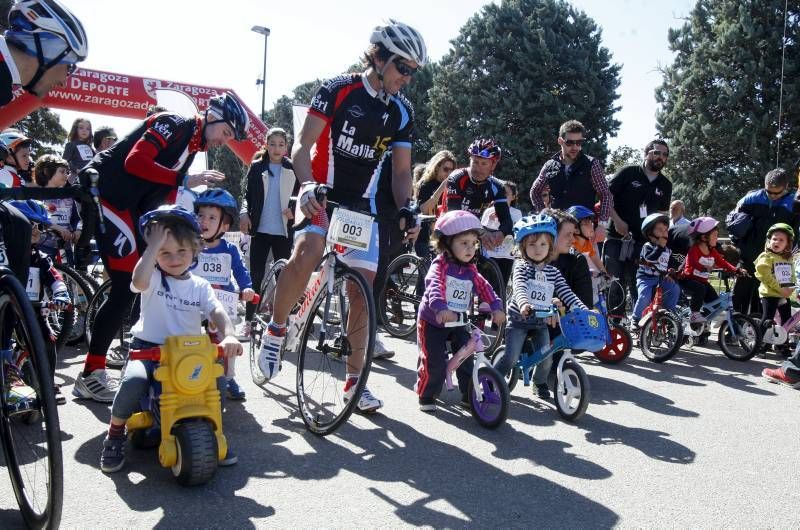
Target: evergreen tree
<point x="720" y="97"/>
<point x="418" y="93"/>
<point x="224" y="160"/>
<point x="43" y="127"/>
<point x="622" y="156"/>
<point x="518" y="70"/>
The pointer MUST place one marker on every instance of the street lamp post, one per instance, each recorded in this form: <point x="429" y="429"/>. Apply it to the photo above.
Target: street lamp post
<point x="263" y="31"/>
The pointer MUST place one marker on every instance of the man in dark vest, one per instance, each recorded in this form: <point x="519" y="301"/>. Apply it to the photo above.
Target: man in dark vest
<point x="573" y="178"/>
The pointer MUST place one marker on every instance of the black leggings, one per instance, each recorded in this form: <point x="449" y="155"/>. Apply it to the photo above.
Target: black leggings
<point x="769" y="305"/>
<point x="260" y="245"/>
<point x="112" y="313"/>
<point x="699" y="293"/>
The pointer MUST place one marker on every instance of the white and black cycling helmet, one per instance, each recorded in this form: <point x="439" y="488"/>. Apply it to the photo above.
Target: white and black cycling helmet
<point x="48" y="31"/>
<point x="401" y="39"/>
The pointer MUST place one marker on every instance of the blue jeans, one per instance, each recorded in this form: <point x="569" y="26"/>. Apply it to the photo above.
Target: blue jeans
<point x="646" y="285"/>
<point x="516" y="333"/>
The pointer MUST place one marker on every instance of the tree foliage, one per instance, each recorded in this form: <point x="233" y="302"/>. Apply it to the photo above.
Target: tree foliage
<point x="720" y="97"/>
<point x="622" y="156"/>
<point x="418" y="93"/>
<point x="224" y="160"/>
<point x="518" y="70"/>
<point x="43" y="127"/>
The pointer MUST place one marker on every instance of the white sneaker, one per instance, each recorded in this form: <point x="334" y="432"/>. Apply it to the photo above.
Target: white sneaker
<point x="97" y="386"/>
<point x="696" y="318"/>
<point x="245" y="331"/>
<point x="380" y="351"/>
<point x="269" y="356"/>
<point x="367" y="403"/>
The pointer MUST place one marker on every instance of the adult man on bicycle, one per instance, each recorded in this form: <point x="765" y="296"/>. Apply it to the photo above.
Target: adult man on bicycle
<point x="40" y="49"/>
<point x="137" y="174"/>
<point x="353" y="121"/>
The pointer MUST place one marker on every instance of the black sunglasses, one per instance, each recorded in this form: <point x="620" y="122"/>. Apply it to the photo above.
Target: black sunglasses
<point x="403" y="69"/>
<point x="574" y="142"/>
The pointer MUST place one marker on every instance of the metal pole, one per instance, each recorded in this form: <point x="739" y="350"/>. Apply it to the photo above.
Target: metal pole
<point x="264" y="79"/>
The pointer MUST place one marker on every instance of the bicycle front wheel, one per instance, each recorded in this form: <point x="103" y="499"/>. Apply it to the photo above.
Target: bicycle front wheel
<point x="661" y="336"/>
<point x="739" y="344"/>
<point x="335" y="356"/>
<point x="29" y="429"/>
<point x="80" y="292"/>
<point x="399" y="298"/>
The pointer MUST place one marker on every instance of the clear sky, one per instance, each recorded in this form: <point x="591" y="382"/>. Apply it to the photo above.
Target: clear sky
<point x="207" y="42"/>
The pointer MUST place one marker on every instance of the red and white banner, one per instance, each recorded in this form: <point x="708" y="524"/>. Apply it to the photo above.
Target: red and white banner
<point x="126" y="96"/>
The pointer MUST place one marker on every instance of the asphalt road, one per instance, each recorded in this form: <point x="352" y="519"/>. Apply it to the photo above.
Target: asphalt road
<point x="700" y="441"/>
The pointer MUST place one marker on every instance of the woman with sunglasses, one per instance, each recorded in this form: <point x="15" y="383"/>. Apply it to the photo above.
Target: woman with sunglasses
<point x="429" y="191"/>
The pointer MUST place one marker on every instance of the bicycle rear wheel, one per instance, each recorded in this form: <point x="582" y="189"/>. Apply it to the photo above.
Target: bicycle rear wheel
<point x="399" y="298"/>
<point x="481" y="319"/>
<point x="117" y="355"/>
<point x="29" y="428"/>
<point x="261" y="318"/>
<point x="328" y="355"/>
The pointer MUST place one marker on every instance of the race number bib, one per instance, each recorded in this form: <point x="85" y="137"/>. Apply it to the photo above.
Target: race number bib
<point x="85" y="151"/>
<point x="663" y="260"/>
<point x="229" y="301"/>
<point x="34" y="285"/>
<point x="540" y="293"/>
<point x="216" y="268"/>
<point x="60" y="216"/>
<point x="350" y="229"/>
<point x="783" y="273"/>
<point x="459" y="294"/>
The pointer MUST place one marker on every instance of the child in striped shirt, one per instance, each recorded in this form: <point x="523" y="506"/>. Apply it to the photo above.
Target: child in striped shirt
<point x="535" y="283"/>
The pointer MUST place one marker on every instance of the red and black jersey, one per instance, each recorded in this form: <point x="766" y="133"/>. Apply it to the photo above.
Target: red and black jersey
<point x="360" y="127"/>
<point x="141" y="171"/>
<point x="463" y="193"/>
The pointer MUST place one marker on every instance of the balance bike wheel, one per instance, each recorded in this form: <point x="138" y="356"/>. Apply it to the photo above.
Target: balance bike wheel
<point x="572" y="392"/>
<point x="493" y="410"/>
<point x="619" y="348"/>
<point x="197" y="453"/>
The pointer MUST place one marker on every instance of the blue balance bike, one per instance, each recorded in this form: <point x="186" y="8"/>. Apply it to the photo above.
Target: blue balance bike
<point x="580" y="330"/>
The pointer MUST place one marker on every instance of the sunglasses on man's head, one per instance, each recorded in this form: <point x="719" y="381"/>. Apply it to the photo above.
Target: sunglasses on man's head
<point x="403" y="69"/>
<point x="571" y="143"/>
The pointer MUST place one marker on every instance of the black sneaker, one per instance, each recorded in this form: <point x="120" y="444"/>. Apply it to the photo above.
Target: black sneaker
<point x="427" y="404"/>
<point x="542" y="391"/>
<point x="465" y="400"/>
<point x="113" y="456"/>
<point x="61" y="399"/>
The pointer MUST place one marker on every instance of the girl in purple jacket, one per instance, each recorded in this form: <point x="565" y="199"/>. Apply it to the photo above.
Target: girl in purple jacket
<point x="448" y="291"/>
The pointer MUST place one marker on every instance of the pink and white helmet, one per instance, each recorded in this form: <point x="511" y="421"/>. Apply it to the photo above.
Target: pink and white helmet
<point x="456" y="222"/>
<point x="703" y="225"/>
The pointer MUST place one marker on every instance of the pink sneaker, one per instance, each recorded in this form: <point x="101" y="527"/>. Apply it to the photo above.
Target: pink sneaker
<point x="778" y="375"/>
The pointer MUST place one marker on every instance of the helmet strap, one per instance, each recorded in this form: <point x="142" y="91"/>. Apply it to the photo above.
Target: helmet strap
<point x="220" y="232"/>
<point x="43" y="66"/>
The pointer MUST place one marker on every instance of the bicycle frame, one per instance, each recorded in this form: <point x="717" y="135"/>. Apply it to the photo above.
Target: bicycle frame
<point x="323" y="278"/>
<point x="713" y="309"/>
<point x="475" y="348"/>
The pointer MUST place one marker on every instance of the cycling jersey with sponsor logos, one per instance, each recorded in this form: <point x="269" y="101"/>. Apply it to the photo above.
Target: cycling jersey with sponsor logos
<point x="170" y="134"/>
<point x="131" y="185"/>
<point x="465" y="194"/>
<point x="360" y="127"/>
<point x="9" y="75"/>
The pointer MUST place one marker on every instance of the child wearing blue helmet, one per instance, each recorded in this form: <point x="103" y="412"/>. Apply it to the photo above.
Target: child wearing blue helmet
<point x="218" y="260"/>
<point x="174" y="302"/>
<point x="536" y="284"/>
<point x="653" y="261"/>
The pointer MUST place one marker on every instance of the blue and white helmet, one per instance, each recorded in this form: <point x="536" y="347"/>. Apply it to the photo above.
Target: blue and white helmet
<point x="172" y="213"/>
<point x="535" y="224"/>
<point x="229" y="110"/>
<point x="61" y="37"/>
